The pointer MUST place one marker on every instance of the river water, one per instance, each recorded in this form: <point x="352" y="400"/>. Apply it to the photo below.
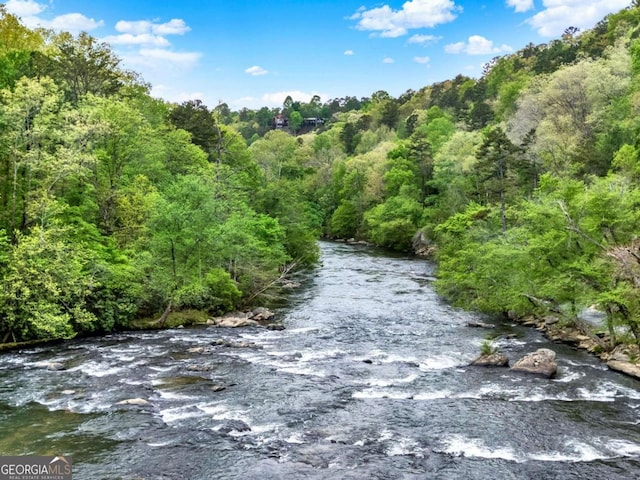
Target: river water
<point x="368" y="381"/>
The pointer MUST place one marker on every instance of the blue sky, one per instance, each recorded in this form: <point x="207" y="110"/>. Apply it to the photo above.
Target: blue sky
<point x="251" y="53"/>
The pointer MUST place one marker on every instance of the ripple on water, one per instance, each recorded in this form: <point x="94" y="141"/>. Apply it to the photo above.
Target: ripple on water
<point x="575" y="451"/>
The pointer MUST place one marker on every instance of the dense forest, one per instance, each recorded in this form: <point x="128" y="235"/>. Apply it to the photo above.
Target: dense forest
<point x="523" y="184"/>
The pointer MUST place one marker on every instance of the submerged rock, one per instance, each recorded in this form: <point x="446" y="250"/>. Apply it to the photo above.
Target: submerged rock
<point x="275" y="326"/>
<point x="140" y="402"/>
<point x="55" y="366"/>
<point x="541" y="362"/>
<point x="480" y="325"/>
<point x="234" y="425"/>
<point x="493" y="360"/>
<point x="228" y="343"/>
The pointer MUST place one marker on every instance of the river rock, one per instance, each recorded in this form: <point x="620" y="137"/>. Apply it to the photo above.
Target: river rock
<point x="55" y="366"/>
<point x="275" y="326"/>
<point x="140" y="402"/>
<point x="197" y="350"/>
<point x="627" y="368"/>
<point x="261" y="314"/>
<point x="234" y="425"/>
<point x="541" y="362"/>
<point x="493" y="360"/>
<point x="228" y="343"/>
<point x="480" y="325"/>
<point x="218" y="388"/>
<point x="235" y="322"/>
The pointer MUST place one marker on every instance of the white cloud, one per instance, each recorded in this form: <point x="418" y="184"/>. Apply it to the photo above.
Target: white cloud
<point x="423" y="60"/>
<point x="28" y="11"/>
<point x="349" y="52"/>
<point x="177" y="96"/>
<point x="182" y="58"/>
<point x="477" y="45"/>
<point x="388" y="60"/>
<point x="521" y="5"/>
<point x="457" y="47"/>
<point x="162" y="59"/>
<point x="560" y="14"/>
<point x="423" y="39"/>
<point x="135" y="28"/>
<point x="24" y="8"/>
<point x="386" y="22"/>
<point x="137" y="39"/>
<point x="175" y="26"/>
<point x="69" y="22"/>
<point x="256" y="71"/>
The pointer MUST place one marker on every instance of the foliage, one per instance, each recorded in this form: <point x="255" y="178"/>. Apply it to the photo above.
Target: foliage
<point x="116" y="206"/>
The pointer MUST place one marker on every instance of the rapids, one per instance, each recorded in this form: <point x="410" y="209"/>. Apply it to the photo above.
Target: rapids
<point x="368" y="381"/>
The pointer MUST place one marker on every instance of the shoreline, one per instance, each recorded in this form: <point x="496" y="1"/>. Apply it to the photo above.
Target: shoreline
<point x="619" y="359"/>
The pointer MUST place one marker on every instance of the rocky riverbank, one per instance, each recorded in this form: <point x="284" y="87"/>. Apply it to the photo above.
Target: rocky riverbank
<point x="622" y="358"/>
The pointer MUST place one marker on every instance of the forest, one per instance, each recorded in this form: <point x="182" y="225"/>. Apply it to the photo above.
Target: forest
<point x="523" y="185"/>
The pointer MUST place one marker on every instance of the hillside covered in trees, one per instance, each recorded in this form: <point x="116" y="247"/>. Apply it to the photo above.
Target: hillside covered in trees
<point x="115" y="205"/>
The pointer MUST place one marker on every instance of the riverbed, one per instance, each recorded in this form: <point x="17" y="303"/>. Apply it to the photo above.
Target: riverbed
<point x="369" y="380"/>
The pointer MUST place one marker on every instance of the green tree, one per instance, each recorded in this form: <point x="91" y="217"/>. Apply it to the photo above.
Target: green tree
<point x="295" y="121"/>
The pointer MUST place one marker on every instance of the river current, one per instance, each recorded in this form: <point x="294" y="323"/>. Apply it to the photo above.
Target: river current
<point x="369" y="380"/>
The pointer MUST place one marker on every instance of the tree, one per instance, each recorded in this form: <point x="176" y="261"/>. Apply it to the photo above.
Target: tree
<point x="85" y="65"/>
<point x="295" y="121"/>
<point x="495" y="167"/>
<point x="195" y="117"/>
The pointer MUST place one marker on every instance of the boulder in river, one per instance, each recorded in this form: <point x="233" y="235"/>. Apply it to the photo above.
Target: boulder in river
<point x="234" y="322"/>
<point x="261" y="314"/>
<point x="625" y="367"/>
<point x="140" y="402"/>
<point x="54" y="366"/>
<point x="541" y="362"/>
<point x="495" y="359"/>
<point x="234" y="425"/>
<point x="228" y="343"/>
<point x="480" y="325"/>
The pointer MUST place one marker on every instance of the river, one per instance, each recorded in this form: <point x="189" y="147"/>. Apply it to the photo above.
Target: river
<point x="368" y="381"/>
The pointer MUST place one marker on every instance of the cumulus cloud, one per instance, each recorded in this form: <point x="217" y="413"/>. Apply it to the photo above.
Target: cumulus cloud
<point x="560" y="14"/>
<point x="386" y="22"/>
<point x="477" y="45"/>
<point x="150" y="38"/>
<point x="29" y="11"/>
<point x="388" y="60"/>
<point x="423" y="60"/>
<point x="143" y="32"/>
<point x="139" y="39"/>
<point x="24" y="8"/>
<point x="72" y="22"/>
<point x="173" y="95"/>
<point x="423" y="39"/>
<point x="521" y="5"/>
<point x="256" y="71"/>
<point x="162" y="59"/>
<point x="349" y="52"/>
<point x="175" y="26"/>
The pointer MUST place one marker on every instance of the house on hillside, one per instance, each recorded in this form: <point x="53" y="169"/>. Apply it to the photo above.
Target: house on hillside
<point x="280" y="121"/>
<point x="312" y="122"/>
